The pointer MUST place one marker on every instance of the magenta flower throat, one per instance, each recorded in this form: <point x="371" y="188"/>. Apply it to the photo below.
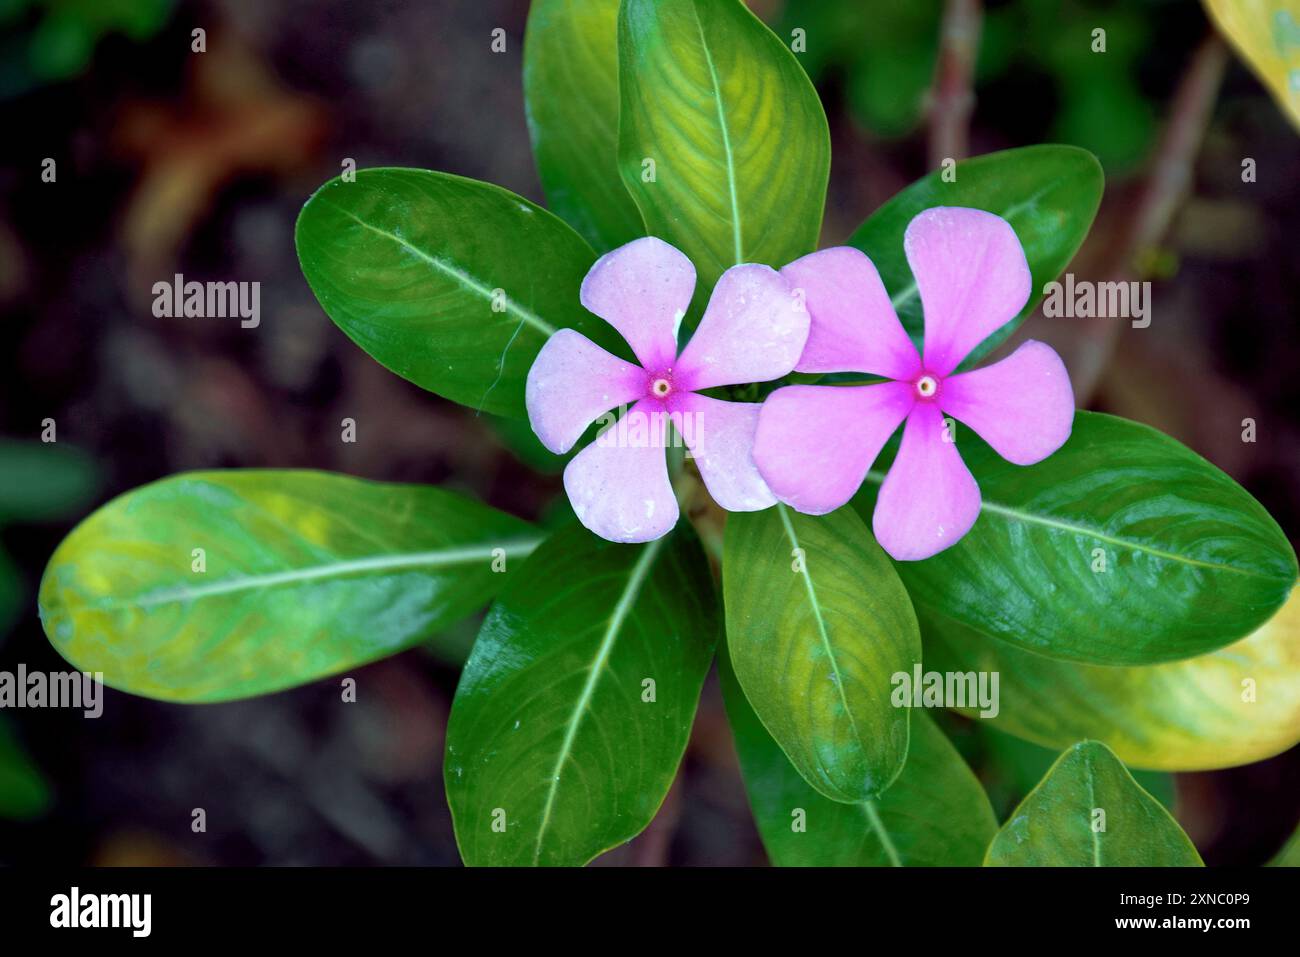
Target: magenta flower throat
<point x="815" y="444"/>
<point x="753" y="330"/>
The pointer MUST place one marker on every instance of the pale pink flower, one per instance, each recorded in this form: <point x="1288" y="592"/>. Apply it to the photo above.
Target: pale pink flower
<point x="753" y="330"/>
<point x="815" y="444"/>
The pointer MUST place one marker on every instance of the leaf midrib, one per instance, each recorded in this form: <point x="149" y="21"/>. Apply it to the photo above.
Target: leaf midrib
<point x="437" y="558"/>
<point x="738" y="253"/>
<point x="1029" y="518"/>
<point x="635" y="581"/>
<point x="1092" y="807"/>
<point x="873" y="817"/>
<point x="462" y="277"/>
<point x="821" y="622"/>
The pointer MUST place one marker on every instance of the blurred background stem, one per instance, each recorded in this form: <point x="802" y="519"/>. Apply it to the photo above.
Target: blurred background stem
<point x="1165" y="186"/>
<point x="952" y="98"/>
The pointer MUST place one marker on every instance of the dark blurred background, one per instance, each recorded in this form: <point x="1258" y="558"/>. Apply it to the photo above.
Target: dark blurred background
<point x="171" y="161"/>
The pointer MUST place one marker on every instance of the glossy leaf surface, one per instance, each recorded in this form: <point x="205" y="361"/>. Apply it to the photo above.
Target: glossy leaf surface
<point x="722" y="140"/>
<point x="574" y="709"/>
<point x="1049" y="194"/>
<point x="1233" y="706"/>
<point x="209" y="586"/>
<point x="451" y="283"/>
<point x="934" y="814"/>
<point x="1089" y="812"/>
<point x="817" y="625"/>
<point x="571" y="91"/>
<point x="1124" y="547"/>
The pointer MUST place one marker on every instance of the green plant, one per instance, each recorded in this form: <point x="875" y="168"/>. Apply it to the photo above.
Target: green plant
<point x="1121" y="565"/>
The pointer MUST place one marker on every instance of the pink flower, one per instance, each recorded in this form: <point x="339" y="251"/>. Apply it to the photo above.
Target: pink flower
<point x="815" y="444"/>
<point x="753" y="330"/>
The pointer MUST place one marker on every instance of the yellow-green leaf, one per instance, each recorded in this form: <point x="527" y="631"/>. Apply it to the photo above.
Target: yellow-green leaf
<point x="210" y="586"/>
<point x="571" y="90"/>
<point x="1266" y="34"/>
<point x="1233" y="706"/>
<point x="722" y="140"/>
<point x="934" y="814"/>
<point x="818" y="624"/>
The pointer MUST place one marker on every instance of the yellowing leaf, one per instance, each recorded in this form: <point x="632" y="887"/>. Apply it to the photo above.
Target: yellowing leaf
<point x="1233" y="706"/>
<point x="1266" y="34"/>
<point x="212" y="586"/>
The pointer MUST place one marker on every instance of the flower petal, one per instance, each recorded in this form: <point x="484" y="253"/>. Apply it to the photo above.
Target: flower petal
<point x="643" y="290"/>
<point x="571" y="382"/>
<point x="1023" y="406"/>
<point x="753" y="330"/>
<point x="815" y="443"/>
<point x="972" y="275"/>
<point x="720" y="436"/>
<point x="929" y="499"/>
<point x="854" y="327"/>
<point x="618" y="486"/>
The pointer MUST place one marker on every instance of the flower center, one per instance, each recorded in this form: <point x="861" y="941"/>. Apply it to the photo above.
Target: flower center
<point x="661" y="387"/>
<point x="927" y="386"/>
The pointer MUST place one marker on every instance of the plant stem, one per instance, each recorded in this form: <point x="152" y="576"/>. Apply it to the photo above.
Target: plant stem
<point x="952" y="96"/>
<point x="1165" y="187"/>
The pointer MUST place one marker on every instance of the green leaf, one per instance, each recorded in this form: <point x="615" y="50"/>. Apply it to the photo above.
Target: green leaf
<point x="450" y="283"/>
<point x="1124" y="547"/>
<point x="1010" y="767"/>
<point x="1233" y="706"/>
<point x="571" y="92"/>
<point x="574" y="709"/>
<point x="304" y="574"/>
<point x="734" y="128"/>
<point x="518" y="436"/>
<point x="1089" y="812"/>
<point x="24" y="791"/>
<point x="817" y="624"/>
<point x="44" y="482"/>
<point x="934" y="814"/>
<point x="12" y="593"/>
<point x="1289" y="855"/>
<point x="1049" y="194"/>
